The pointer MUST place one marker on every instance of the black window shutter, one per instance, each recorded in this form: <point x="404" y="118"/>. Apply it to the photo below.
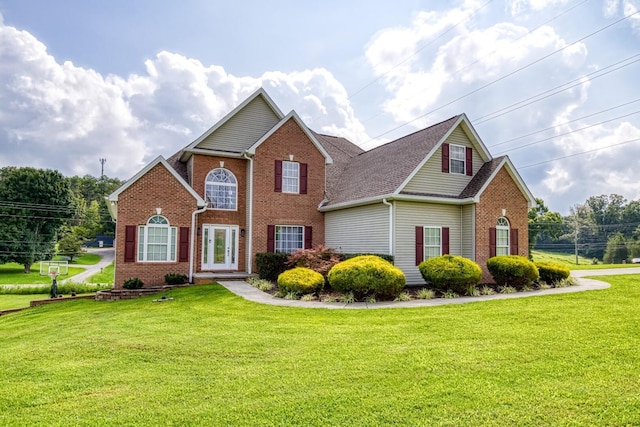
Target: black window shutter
<point x="469" y="161"/>
<point x="271" y="238"/>
<point x="183" y="252"/>
<point x="278" y="177"/>
<point x="303" y="178"/>
<point x="308" y="237"/>
<point x="419" y="245"/>
<point x="492" y="242"/>
<point x="445" y="240"/>
<point x="445" y="158"/>
<point x="130" y="243"/>
<point x="514" y="241"/>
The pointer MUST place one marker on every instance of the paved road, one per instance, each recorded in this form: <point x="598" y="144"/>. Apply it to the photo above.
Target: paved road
<point x="107" y="258"/>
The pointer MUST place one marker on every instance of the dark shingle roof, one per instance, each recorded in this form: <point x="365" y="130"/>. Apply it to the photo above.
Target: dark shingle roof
<point x="382" y="170"/>
<point x="178" y="166"/>
<point x="480" y="178"/>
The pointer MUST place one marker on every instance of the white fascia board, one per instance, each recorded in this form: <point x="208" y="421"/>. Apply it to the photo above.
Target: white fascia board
<point x="397" y="197"/>
<point x="511" y="170"/>
<point x="475" y="140"/>
<point x="205" y="152"/>
<point x="113" y="197"/>
<point x="292" y="115"/>
<point x="260" y="92"/>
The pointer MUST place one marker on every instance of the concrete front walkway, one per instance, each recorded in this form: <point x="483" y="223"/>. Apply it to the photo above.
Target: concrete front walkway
<point x="250" y="293"/>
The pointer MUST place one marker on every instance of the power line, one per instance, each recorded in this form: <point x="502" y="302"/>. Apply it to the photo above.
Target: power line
<point x="418" y="50"/>
<point x="566" y="133"/>
<point x="565" y="123"/>
<point x="505" y="76"/>
<point x="579" y="154"/>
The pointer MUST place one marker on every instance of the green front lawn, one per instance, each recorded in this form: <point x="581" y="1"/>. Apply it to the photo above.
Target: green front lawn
<point x="107" y="275"/>
<point x="17" y="301"/>
<point x="13" y="274"/>
<point x="208" y="357"/>
<point x="569" y="260"/>
<point x="86" y="258"/>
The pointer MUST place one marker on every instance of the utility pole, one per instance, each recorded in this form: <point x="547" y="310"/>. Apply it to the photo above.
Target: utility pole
<point x="576" y="240"/>
<point x="102" y="162"/>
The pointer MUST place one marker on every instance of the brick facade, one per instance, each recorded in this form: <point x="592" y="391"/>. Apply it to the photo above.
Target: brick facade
<point x="501" y="193"/>
<point x="158" y="188"/>
<point x="270" y="207"/>
<point x="201" y="166"/>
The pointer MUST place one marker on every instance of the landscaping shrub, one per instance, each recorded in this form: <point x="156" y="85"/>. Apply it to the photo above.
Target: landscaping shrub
<point x="551" y="272"/>
<point x="386" y="257"/>
<point x="301" y="281"/>
<point x="451" y="272"/>
<point x="512" y="270"/>
<point x="175" y="279"/>
<point x="367" y="275"/>
<point x="133" y="283"/>
<point x="271" y="264"/>
<point x="319" y="258"/>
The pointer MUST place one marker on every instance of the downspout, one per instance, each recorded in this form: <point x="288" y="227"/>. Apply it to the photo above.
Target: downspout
<point x="390" y="225"/>
<point x="249" y="241"/>
<point x="193" y="240"/>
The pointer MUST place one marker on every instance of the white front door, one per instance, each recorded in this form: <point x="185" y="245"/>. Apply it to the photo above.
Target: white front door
<point x="219" y="247"/>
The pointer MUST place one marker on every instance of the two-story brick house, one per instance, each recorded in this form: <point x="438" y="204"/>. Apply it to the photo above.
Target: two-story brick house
<point x="261" y="181"/>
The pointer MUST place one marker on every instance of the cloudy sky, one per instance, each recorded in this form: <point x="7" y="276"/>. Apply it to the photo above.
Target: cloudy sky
<point x="552" y="83"/>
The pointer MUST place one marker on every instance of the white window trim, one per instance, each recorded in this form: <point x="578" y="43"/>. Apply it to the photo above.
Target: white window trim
<point x="464" y="159"/>
<point x="297" y="178"/>
<point x="425" y="245"/>
<point x="224" y="184"/>
<point x="275" y="238"/>
<point x="143" y="237"/>
<point x="507" y="228"/>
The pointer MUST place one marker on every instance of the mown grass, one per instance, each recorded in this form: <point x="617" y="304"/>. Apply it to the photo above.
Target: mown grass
<point x="569" y="260"/>
<point x="104" y="276"/>
<point x="86" y="258"/>
<point x="13" y="274"/>
<point x="208" y="357"/>
<point x="17" y="301"/>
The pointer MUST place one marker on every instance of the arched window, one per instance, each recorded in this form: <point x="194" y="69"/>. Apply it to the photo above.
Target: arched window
<point x="502" y="236"/>
<point x="157" y="240"/>
<point x="221" y="190"/>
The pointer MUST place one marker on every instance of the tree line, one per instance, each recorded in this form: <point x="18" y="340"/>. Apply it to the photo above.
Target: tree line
<point x="42" y="209"/>
<point x="604" y="228"/>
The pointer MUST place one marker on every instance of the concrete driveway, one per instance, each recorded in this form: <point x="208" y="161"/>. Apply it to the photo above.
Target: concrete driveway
<point x="107" y="255"/>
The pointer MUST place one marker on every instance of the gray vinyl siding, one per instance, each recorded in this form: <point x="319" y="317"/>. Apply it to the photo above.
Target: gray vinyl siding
<point x="243" y="129"/>
<point x="190" y="170"/>
<point x="430" y="178"/>
<point x="408" y="215"/>
<point x="359" y="229"/>
<point x="468" y="232"/>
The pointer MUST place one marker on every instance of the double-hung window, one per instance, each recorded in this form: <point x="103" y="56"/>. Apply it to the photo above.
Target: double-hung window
<point x="290" y="177"/>
<point x="221" y="190"/>
<point x="432" y="242"/>
<point x="289" y="238"/>
<point x="502" y="236"/>
<point x="457" y="158"/>
<point x="157" y="241"/>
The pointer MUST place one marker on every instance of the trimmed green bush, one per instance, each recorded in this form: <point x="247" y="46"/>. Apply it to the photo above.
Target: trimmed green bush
<point x="175" y="279"/>
<point x="367" y="275"/>
<point x="551" y="272"/>
<point x="301" y="281"/>
<point x="133" y="283"/>
<point x="385" y="257"/>
<point x="271" y="264"/>
<point x="512" y="270"/>
<point x="450" y="272"/>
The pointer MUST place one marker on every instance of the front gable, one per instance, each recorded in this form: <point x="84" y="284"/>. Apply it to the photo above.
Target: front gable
<point x="239" y="129"/>
<point x="170" y="178"/>
<point x="429" y="177"/>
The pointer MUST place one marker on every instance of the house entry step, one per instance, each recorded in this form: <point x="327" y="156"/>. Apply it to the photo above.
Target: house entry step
<point x="209" y="276"/>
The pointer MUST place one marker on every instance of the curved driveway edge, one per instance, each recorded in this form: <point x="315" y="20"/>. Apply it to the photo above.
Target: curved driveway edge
<point x="248" y="292"/>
